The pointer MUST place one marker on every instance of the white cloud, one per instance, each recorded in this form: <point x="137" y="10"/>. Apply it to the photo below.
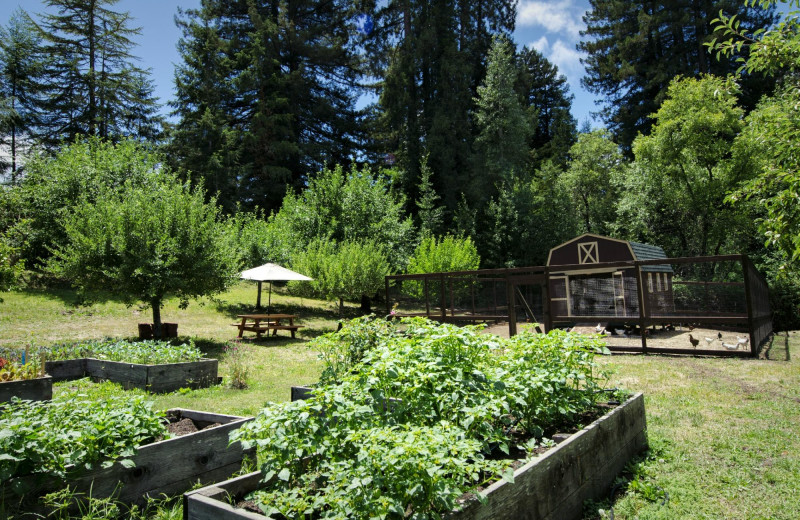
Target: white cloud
<point x="554" y="17"/>
<point x="566" y="58"/>
<point x="542" y="45"/>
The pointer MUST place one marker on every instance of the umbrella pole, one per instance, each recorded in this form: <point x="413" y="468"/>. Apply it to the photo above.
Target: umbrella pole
<point x="269" y="302"/>
<point x="258" y="300"/>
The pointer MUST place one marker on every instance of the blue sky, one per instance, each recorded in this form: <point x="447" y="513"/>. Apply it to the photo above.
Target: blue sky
<point x="552" y="27"/>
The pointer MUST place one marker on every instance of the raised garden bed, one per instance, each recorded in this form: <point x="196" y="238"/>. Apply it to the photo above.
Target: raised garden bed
<point x="153" y="378"/>
<point x="164" y="467"/>
<point x="551" y="486"/>
<point x="37" y="389"/>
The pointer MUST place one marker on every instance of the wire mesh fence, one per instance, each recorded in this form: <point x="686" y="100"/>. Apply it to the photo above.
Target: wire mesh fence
<point x="704" y="305"/>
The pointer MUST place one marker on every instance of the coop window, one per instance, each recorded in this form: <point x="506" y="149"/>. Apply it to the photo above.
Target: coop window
<point x="650" y="281"/>
<point x="587" y="253"/>
<point x="658" y="282"/>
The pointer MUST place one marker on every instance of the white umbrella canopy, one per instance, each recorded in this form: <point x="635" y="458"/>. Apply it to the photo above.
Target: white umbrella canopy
<point x="270" y="273"/>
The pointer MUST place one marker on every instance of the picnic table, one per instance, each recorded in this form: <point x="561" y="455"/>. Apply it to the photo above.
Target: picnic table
<point x="260" y="323"/>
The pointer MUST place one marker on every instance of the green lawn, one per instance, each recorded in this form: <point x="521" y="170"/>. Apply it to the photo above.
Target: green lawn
<point x="724" y="433"/>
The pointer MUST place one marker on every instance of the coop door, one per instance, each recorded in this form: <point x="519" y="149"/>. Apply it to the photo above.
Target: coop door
<point x="619" y="294"/>
<point x="559" y="296"/>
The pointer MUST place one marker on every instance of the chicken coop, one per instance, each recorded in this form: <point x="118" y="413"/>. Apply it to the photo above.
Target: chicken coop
<point x="632" y="294"/>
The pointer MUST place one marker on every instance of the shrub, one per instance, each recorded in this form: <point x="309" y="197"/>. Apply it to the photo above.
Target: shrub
<point x="344" y="272"/>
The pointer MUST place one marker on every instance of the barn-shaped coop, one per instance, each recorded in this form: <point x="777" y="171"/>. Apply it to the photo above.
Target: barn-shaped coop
<point x="642" y="300"/>
<point x="593" y="275"/>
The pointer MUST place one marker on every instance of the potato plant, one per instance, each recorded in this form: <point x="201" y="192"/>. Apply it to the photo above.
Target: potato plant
<point x="72" y="433"/>
<point x="423" y="416"/>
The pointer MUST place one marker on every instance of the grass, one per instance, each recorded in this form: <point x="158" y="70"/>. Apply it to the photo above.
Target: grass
<point x="723" y="432"/>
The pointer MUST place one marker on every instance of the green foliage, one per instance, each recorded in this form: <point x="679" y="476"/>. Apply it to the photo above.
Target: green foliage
<point x="592" y="178"/>
<point x="147" y="352"/>
<point x="546" y="95"/>
<point x="676" y="189"/>
<point x="770" y="137"/>
<point x="91" y="84"/>
<point x="502" y="123"/>
<point x="341" y="352"/>
<point x="264" y="96"/>
<point x="407" y="430"/>
<point x="53" y="186"/>
<point x="431" y="57"/>
<point x="635" y="48"/>
<point x="10" y="267"/>
<point x="345" y="271"/>
<point x="443" y="254"/>
<point x="358" y="205"/>
<point x="147" y="242"/>
<point x="13" y="371"/>
<point x="526" y="219"/>
<point x="429" y="214"/>
<point x="72" y="433"/>
<point x="259" y="240"/>
<point x="20" y="64"/>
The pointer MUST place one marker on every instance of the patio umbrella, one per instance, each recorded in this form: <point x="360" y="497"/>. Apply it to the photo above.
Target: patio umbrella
<point x="270" y="273"/>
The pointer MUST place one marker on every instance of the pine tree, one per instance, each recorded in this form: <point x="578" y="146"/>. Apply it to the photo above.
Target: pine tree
<point x="267" y="87"/>
<point x="636" y="48"/>
<point x="93" y="86"/>
<point x="502" y="123"/>
<point x="20" y="63"/>
<point x="546" y="93"/>
<point x="430" y="56"/>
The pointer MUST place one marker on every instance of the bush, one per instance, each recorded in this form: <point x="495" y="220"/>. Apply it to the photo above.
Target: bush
<point x="434" y="255"/>
<point x="346" y="271"/>
<point x="348" y="207"/>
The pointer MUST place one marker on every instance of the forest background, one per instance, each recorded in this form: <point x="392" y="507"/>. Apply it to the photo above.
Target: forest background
<point x="468" y="157"/>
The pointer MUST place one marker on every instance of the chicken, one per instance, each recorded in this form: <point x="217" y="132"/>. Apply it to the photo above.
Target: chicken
<point x="719" y="336"/>
<point x="709" y="340"/>
<point x="599" y="328"/>
<point x="743" y="340"/>
<point x="693" y="341"/>
<point x="730" y="347"/>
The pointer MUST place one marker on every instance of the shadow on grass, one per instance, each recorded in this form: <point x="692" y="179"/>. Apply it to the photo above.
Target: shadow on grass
<point x="777" y="348"/>
<point x="71" y="297"/>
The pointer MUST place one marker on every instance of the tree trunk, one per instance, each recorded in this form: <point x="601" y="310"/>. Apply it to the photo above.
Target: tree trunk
<point x="341" y="307"/>
<point x="156" y="305"/>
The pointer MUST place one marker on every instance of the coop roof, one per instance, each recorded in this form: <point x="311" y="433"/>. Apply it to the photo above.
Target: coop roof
<point x="589" y="249"/>
<point x="650" y="252"/>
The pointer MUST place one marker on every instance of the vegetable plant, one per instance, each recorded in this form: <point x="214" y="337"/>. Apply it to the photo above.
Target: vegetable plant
<point x="151" y="352"/>
<point x="409" y="416"/>
<point x="72" y="433"/>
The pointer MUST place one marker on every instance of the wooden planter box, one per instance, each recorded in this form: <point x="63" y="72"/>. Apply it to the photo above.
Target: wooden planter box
<point x="153" y="378"/>
<point x="552" y="486"/>
<point x="301" y="393"/>
<point x="39" y="389"/>
<point x="171" y="466"/>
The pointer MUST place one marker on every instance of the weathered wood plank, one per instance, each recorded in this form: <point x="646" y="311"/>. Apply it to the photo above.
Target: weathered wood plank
<point x="66" y="369"/>
<point x="39" y="389"/>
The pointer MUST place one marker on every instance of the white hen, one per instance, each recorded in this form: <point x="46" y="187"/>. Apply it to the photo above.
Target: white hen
<point x="730" y="347"/>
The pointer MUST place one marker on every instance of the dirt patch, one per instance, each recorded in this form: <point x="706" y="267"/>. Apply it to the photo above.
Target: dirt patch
<point x="184" y="426"/>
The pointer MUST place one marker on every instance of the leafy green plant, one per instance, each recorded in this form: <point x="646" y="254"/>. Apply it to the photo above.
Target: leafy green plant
<point x="410" y="426"/>
<point x="149" y="352"/>
<point x="73" y="432"/>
